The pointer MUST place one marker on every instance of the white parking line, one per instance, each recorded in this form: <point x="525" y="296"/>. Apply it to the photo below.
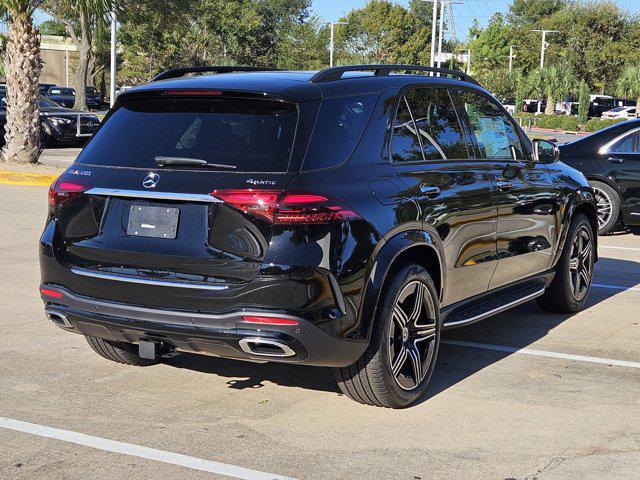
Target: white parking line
<point x="619" y="248"/>
<point x="543" y="353"/>
<point x="615" y="287"/>
<point x="137" y="451"/>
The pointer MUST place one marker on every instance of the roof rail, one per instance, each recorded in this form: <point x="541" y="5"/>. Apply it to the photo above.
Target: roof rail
<point x="335" y="73"/>
<point x="181" y="72"/>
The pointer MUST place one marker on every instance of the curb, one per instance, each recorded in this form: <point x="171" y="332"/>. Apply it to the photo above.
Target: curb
<point x="30" y="179"/>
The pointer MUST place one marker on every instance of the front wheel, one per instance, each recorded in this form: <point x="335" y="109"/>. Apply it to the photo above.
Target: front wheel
<point x="397" y="366"/>
<point x="118" y="352"/>
<point x="570" y="287"/>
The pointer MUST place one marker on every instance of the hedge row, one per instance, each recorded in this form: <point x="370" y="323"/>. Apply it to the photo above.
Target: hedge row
<point x="567" y="123"/>
<point x="595" y="124"/>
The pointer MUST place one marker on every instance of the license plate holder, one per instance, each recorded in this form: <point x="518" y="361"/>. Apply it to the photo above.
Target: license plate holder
<point x="156" y="222"/>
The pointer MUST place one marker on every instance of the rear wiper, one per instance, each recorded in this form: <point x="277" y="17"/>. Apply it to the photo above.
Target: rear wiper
<point x="191" y="162"/>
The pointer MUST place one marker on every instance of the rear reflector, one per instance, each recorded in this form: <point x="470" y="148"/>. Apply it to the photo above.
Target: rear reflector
<point x="285" y="208"/>
<point x="50" y="293"/>
<point x="268" y="320"/>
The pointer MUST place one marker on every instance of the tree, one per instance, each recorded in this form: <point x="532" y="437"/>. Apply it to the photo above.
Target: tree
<point x="22" y="69"/>
<point x="628" y="84"/>
<point x="52" y="27"/>
<point x="556" y="85"/>
<point x="80" y="17"/>
<point x="583" y="102"/>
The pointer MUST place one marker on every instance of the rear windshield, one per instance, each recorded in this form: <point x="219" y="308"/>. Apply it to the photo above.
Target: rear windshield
<point x="62" y="91"/>
<point x="252" y="135"/>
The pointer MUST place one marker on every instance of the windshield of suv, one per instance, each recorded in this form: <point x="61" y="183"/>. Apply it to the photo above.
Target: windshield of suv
<point x="252" y="135"/>
<point x="62" y="91"/>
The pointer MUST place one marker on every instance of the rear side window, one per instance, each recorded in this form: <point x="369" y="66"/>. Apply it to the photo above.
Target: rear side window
<point x="628" y="144"/>
<point x="252" y="135"/>
<point x="339" y="126"/>
<point x="495" y="134"/>
<point x="405" y="145"/>
<point x="437" y="123"/>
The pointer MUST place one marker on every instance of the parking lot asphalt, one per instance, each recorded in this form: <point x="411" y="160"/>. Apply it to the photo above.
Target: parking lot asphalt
<point x="567" y="407"/>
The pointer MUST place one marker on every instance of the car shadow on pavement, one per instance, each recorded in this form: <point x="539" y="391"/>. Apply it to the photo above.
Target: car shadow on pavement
<point x="518" y="328"/>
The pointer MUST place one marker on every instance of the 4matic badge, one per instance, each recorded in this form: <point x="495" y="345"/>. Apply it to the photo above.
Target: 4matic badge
<point x="261" y="182"/>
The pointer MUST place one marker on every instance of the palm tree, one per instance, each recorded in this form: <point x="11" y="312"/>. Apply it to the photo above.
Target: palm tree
<point x="629" y="83"/>
<point x="80" y="17"/>
<point x="22" y="70"/>
<point x="556" y="84"/>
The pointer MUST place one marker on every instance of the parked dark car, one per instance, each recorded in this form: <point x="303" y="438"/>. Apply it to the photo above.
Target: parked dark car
<point x="339" y="218"/>
<point x="63" y="96"/>
<point x="58" y="125"/>
<point x="610" y="159"/>
<point x="94" y="99"/>
<point x="45" y="87"/>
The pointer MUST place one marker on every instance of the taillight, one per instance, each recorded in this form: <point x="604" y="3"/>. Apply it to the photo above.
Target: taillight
<point x="268" y="320"/>
<point x="61" y="192"/>
<point x="287" y="208"/>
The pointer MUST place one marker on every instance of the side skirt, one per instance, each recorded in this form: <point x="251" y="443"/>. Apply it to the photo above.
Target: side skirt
<point x="495" y="301"/>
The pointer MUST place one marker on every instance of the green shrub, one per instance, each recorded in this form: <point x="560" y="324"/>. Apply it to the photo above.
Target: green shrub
<point x="569" y="123"/>
<point x="595" y="124"/>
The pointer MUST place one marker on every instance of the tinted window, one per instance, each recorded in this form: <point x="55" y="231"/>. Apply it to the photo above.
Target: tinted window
<point x="338" y="129"/>
<point x="437" y="123"/>
<point x="44" y="103"/>
<point x="62" y="91"/>
<point x="494" y="132"/>
<point x="628" y="144"/>
<point x="253" y="135"/>
<point x="405" y="146"/>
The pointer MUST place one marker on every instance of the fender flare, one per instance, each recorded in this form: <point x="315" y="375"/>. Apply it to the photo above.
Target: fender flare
<point x="582" y="197"/>
<point x="383" y="257"/>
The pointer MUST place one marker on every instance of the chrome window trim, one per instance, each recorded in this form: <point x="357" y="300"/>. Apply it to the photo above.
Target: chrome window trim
<point x="153" y="195"/>
<point x="145" y="281"/>
<point x="605" y="148"/>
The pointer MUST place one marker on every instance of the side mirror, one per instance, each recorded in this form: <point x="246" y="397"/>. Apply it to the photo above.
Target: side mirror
<point x="545" y="151"/>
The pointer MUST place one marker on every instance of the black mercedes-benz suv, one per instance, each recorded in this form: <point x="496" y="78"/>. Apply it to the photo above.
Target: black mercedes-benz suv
<point x="340" y="218"/>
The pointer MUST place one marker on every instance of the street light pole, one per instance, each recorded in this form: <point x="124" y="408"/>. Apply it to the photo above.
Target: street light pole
<point x="511" y="57"/>
<point x="114" y="24"/>
<point x="434" y="21"/>
<point x="441" y="32"/>
<point x="331" y="27"/>
<point x="544" y="44"/>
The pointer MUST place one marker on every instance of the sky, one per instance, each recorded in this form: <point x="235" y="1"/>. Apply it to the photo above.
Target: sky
<point x="465" y="13"/>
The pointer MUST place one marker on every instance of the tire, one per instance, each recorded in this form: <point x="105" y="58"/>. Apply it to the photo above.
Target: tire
<point x="608" y="207"/>
<point x="401" y="337"/>
<point x="119" y="352"/>
<point x="575" y="265"/>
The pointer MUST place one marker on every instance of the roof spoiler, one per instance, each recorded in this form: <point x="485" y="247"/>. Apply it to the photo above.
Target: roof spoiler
<point x="181" y="72"/>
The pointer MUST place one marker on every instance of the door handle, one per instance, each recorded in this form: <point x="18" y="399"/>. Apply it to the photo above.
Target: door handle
<point x="503" y="185"/>
<point x="615" y="160"/>
<point x="429" y="190"/>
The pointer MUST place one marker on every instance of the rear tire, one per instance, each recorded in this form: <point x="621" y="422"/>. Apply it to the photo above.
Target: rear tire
<point x="119" y="352"/>
<point x="563" y="295"/>
<point x="396" y="368"/>
<point x="608" y="207"/>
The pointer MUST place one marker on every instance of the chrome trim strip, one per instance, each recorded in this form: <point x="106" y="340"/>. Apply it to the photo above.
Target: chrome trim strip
<point x="605" y="148"/>
<point x="245" y="346"/>
<point x="153" y="195"/>
<point x="145" y="281"/>
<point x="496" y="310"/>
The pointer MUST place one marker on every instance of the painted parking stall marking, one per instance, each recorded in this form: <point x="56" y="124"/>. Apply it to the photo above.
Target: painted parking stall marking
<point x="543" y="353"/>
<point x="131" y="449"/>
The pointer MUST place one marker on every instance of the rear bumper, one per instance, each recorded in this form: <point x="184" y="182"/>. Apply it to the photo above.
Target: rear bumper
<point x="226" y="335"/>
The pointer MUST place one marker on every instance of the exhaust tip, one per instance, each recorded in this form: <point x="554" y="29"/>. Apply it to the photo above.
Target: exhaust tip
<point x="58" y="319"/>
<point x="265" y="348"/>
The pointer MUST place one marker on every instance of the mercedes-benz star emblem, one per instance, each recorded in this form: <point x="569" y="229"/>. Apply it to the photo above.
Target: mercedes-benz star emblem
<point x="151" y="180"/>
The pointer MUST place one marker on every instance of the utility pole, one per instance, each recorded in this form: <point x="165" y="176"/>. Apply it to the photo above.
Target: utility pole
<point x="544" y="44"/>
<point x="468" y="69"/>
<point x="434" y="21"/>
<point x="331" y="27"/>
<point x="441" y="32"/>
<point x="511" y="57"/>
<point x="114" y="25"/>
